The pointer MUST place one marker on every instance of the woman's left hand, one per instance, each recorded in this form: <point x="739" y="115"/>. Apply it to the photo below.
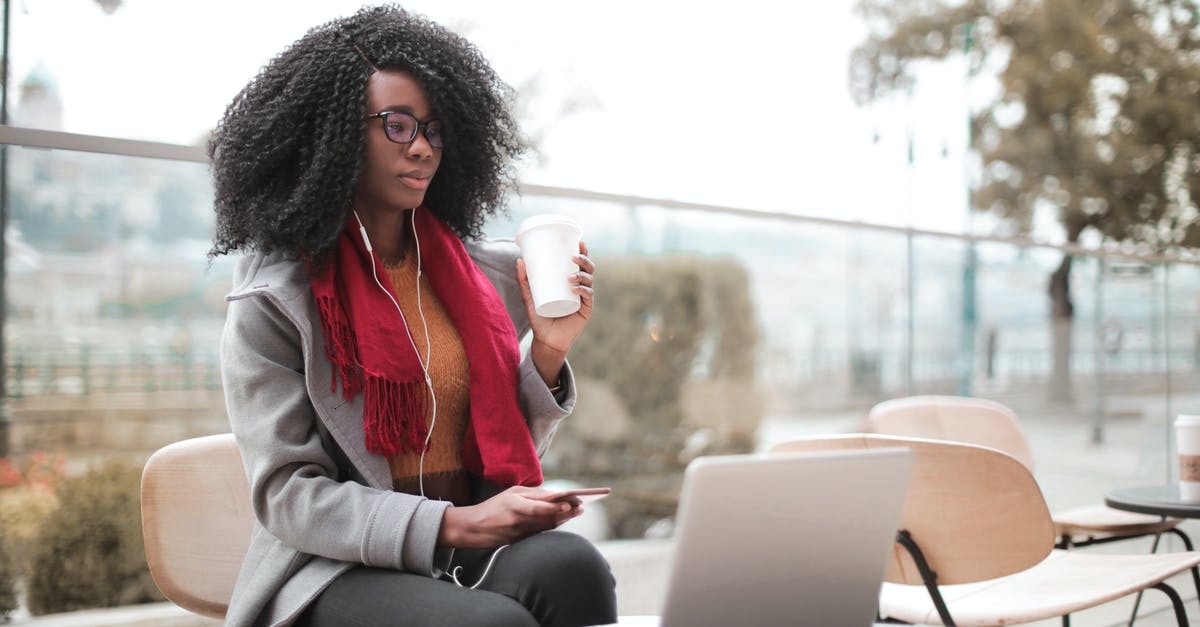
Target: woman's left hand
<point x="552" y="337"/>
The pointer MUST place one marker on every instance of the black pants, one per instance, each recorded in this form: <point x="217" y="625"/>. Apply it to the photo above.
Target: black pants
<point x="553" y="578"/>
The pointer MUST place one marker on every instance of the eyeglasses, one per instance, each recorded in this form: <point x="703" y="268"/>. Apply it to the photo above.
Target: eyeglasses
<point x="402" y="128"/>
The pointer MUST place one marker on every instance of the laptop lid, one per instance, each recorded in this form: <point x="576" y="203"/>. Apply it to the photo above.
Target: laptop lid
<point x="797" y="539"/>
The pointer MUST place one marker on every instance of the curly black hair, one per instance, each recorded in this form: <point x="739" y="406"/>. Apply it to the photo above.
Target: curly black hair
<point x="287" y="155"/>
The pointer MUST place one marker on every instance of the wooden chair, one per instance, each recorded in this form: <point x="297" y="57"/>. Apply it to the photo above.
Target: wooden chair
<point x="196" y="521"/>
<point x="976" y="543"/>
<point x="988" y="423"/>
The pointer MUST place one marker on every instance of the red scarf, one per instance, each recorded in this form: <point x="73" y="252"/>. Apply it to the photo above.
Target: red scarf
<point x="365" y="338"/>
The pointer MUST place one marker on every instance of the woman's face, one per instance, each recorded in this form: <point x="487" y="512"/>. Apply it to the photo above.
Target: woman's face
<point x="396" y="175"/>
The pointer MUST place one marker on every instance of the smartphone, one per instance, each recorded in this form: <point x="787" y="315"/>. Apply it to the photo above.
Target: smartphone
<point x="587" y="495"/>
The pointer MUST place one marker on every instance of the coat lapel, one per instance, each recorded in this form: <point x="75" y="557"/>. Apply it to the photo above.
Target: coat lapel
<point x="343" y="418"/>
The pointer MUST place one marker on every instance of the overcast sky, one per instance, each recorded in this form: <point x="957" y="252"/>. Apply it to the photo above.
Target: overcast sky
<point x="744" y="104"/>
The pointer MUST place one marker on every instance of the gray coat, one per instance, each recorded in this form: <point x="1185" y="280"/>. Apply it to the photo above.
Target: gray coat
<point x="322" y="503"/>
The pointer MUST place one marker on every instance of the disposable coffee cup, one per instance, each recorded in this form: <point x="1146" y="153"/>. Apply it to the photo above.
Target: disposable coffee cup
<point x="547" y="244"/>
<point x="1187" y="443"/>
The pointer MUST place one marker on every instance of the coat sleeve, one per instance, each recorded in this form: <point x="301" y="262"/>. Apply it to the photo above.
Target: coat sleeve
<point x="543" y="410"/>
<point x="297" y="492"/>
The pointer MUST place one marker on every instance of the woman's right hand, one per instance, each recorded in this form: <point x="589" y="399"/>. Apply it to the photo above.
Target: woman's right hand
<point x="505" y="518"/>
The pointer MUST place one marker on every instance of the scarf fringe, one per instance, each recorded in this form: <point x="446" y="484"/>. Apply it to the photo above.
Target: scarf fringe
<point x="340" y="347"/>
<point x="394" y="416"/>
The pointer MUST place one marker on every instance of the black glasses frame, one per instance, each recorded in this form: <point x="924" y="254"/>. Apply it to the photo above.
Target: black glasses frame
<point x="420" y="127"/>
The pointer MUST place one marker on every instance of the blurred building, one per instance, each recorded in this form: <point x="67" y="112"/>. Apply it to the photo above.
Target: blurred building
<point x="39" y="100"/>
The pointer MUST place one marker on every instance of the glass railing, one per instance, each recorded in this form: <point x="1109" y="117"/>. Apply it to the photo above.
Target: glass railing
<point x="851" y="314"/>
<point x="717" y="329"/>
<point x="109" y="294"/>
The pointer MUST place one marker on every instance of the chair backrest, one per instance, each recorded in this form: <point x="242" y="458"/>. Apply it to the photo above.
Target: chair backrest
<point x="955" y="418"/>
<point x="196" y="521"/>
<point x="975" y="512"/>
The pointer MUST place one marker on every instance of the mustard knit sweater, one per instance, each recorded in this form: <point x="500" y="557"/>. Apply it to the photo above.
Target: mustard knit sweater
<point x="444" y="475"/>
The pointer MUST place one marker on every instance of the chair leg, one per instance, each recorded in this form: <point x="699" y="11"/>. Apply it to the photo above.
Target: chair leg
<point x="1066" y="620"/>
<point x="1137" y="601"/>
<point x="1187" y="544"/>
<point x="1176" y="602"/>
<point x="927" y="575"/>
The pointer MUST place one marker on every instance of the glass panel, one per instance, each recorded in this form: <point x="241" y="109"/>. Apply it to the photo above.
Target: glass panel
<point x="113" y="314"/>
<point x="1182" y="337"/>
<point x="942" y="330"/>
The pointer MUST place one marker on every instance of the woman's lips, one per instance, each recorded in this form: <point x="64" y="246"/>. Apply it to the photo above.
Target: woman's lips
<point x="415" y="182"/>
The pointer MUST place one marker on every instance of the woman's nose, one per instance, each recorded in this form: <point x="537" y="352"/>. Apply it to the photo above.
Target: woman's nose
<point x="419" y="147"/>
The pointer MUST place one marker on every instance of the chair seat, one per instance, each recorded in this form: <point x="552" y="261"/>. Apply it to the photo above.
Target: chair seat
<point x="1064" y="583"/>
<point x="1099" y="519"/>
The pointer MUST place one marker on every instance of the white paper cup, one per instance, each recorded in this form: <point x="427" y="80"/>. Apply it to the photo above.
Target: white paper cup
<point x="547" y="244"/>
<point x="1187" y="443"/>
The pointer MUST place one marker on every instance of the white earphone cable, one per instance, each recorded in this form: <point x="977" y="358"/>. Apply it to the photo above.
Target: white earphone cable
<point x="428" y="354"/>
<point x="457" y="570"/>
<point x="362" y="229"/>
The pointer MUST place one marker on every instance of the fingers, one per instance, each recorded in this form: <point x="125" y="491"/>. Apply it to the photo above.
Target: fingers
<point x="582" y="260"/>
<point x="583" y="282"/>
<point x="585" y="290"/>
<point x="537" y="508"/>
<point x="568" y="516"/>
<point x="569" y="505"/>
<point x="542" y="494"/>
<point x="582" y="279"/>
<point x="536" y="503"/>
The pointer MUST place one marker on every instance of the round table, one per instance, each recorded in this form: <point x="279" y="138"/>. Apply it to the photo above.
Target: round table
<point x="1158" y="500"/>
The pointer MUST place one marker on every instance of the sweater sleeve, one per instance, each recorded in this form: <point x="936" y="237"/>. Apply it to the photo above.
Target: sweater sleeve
<point x="297" y="492"/>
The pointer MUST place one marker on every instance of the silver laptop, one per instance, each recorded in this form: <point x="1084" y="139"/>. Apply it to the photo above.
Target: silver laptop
<point x="796" y="539"/>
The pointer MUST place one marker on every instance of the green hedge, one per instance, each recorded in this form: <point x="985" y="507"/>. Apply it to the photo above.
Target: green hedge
<point x="90" y="551"/>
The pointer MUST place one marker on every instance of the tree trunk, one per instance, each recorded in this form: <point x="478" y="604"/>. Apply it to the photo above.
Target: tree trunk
<point x="1062" y="313"/>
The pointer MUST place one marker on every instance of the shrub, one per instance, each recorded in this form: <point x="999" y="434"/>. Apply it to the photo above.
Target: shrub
<point x="27" y="496"/>
<point x="89" y="552"/>
<point x="26" y="499"/>
<point x="23" y="512"/>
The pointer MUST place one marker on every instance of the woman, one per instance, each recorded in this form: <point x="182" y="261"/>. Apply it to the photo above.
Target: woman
<point x="390" y="429"/>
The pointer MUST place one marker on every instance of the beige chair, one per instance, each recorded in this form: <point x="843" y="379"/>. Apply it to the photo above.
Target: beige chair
<point x="196" y="521"/>
<point x="976" y="543"/>
<point x="988" y="423"/>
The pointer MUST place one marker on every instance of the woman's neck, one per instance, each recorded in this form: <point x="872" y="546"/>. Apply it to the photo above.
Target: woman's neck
<point x="389" y="233"/>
